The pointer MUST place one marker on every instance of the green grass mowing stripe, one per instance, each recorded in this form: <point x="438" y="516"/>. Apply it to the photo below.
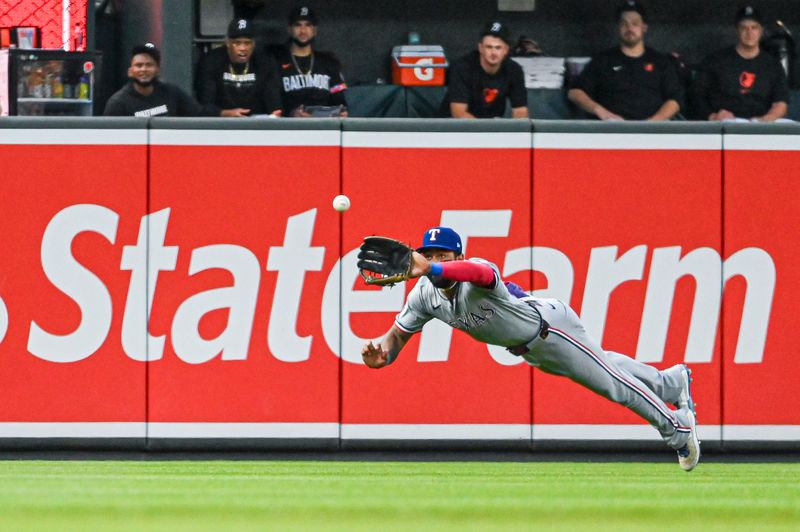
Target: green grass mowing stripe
<point x="362" y="495"/>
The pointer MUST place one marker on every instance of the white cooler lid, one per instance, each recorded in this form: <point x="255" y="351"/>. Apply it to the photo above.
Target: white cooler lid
<point x="418" y="50"/>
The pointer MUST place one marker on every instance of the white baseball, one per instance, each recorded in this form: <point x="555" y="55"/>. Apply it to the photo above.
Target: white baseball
<point x="341" y="203"/>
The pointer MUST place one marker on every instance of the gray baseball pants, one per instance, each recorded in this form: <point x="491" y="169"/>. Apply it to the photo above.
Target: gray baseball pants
<point x="569" y="351"/>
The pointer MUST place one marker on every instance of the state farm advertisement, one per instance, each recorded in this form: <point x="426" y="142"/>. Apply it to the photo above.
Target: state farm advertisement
<point x="202" y="286"/>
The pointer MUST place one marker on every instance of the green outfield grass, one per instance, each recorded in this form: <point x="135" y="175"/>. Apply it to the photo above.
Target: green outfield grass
<point x="223" y="495"/>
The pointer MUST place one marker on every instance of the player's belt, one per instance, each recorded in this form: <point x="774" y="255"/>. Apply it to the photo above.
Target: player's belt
<point x="544" y="330"/>
<point x="521" y="349"/>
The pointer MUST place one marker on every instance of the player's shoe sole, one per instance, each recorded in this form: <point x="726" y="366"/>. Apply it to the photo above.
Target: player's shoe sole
<point x="685" y="399"/>
<point x="689" y="454"/>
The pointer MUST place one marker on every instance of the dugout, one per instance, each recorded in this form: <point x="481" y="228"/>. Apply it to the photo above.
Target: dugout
<point x="363" y="34"/>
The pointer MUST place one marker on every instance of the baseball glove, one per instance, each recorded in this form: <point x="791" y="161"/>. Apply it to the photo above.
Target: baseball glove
<point x="385" y="261"/>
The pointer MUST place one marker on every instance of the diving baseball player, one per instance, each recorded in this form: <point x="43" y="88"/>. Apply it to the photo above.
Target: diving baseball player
<point x="470" y="295"/>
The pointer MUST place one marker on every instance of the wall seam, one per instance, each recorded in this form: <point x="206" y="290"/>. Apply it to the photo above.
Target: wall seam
<point x="341" y="283"/>
<point x="723" y="253"/>
<point x="147" y="205"/>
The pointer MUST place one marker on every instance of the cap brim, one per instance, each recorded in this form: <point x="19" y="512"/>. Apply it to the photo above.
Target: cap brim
<point x="754" y="19"/>
<point x="505" y="39"/>
<point x="422" y="249"/>
<point x="313" y="21"/>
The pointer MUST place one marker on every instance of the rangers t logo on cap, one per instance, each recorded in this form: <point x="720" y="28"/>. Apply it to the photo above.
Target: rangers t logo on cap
<point x="441" y="238"/>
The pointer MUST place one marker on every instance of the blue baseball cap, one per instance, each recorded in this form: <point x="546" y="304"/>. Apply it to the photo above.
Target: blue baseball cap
<point x="441" y="238"/>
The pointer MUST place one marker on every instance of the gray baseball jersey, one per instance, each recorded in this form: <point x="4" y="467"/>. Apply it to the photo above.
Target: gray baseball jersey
<point x="490" y="315"/>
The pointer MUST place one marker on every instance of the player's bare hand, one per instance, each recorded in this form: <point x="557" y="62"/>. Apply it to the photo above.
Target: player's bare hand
<point x="421" y="266"/>
<point x="374" y="356"/>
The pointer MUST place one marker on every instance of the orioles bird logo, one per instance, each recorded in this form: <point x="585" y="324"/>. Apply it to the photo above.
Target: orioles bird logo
<point x="490" y="95"/>
<point x="747" y="80"/>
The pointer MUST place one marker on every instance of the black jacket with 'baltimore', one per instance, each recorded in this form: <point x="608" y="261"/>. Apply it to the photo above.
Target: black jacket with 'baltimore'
<point x="310" y="80"/>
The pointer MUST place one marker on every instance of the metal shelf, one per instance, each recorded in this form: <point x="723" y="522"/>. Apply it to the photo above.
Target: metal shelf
<point x="52" y="100"/>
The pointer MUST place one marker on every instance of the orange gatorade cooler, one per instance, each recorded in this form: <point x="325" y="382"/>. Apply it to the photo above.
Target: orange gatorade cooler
<point x="418" y="64"/>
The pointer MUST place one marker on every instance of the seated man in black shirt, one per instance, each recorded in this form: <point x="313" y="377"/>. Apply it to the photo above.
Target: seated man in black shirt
<point x="233" y="81"/>
<point x="310" y="79"/>
<point x="742" y="81"/>
<point x="145" y="95"/>
<point x="631" y="81"/>
<point x="480" y="82"/>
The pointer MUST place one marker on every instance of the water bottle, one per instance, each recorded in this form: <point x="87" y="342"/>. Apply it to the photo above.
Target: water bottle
<point x="57" y="85"/>
<point x="47" y="86"/>
<point x="83" y="88"/>
<point x="22" y="83"/>
<point x="36" y="83"/>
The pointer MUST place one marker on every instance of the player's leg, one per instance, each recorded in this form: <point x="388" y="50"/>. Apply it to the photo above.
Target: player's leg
<point x="667" y="384"/>
<point x="570" y="352"/>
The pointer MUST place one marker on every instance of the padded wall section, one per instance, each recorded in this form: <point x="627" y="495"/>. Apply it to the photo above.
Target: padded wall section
<point x="627" y="228"/>
<point x="403" y="178"/>
<point x="74" y="193"/>
<point x="244" y="318"/>
<point x="762" y="164"/>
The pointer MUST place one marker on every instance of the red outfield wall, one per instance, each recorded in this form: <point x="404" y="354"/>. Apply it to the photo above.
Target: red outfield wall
<point x="227" y="240"/>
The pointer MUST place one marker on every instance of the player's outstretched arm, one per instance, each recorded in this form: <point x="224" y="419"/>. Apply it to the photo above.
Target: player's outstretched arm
<point x="383" y="354"/>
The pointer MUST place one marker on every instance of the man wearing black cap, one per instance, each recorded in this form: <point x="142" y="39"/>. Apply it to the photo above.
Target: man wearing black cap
<point x="742" y="81"/>
<point x="145" y="95"/>
<point x="311" y="81"/>
<point x="480" y="82"/>
<point x="630" y="81"/>
<point x="233" y="81"/>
